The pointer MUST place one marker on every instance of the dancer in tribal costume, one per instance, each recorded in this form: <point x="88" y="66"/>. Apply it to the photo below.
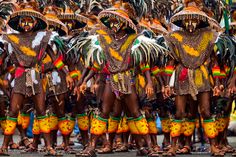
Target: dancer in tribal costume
<point x="76" y="23"/>
<point x="195" y="67"/>
<point x="118" y="57"/>
<point x="56" y="88"/>
<point x="27" y="57"/>
<point x="7" y="8"/>
<point x="223" y="103"/>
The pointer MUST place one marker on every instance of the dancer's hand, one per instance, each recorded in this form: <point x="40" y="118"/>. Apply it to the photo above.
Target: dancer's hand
<point x="83" y="87"/>
<point x="79" y="82"/>
<point x="94" y="88"/>
<point x="167" y="92"/>
<point x="149" y="90"/>
<point x="5" y="84"/>
<point x="216" y="91"/>
<point x="69" y="81"/>
<point x="231" y="89"/>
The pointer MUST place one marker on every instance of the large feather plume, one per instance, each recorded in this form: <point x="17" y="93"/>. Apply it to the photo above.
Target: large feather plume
<point x="146" y="50"/>
<point x="6" y="9"/>
<point x="226" y="52"/>
<point x="89" y="49"/>
<point x="160" y="9"/>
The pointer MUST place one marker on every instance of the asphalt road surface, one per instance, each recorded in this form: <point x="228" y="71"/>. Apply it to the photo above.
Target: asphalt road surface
<point x="132" y="153"/>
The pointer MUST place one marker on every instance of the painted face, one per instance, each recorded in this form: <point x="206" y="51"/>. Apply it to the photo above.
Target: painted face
<point x="51" y="28"/>
<point x="191" y="24"/>
<point x="27" y="23"/>
<point x="69" y="25"/>
<point x="115" y="24"/>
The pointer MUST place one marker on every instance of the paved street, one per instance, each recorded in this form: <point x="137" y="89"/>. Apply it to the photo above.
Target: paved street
<point x="77" y="146"/>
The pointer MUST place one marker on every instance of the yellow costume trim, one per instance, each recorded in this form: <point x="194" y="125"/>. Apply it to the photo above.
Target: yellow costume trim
<point x="189" y="127"/>
<point x="176" y="128"/>
<point x="36" y="129"/>
<point x="204" y="71"/>
<point x="27" y="51"/>
<point x="66" y="126"/>
<point x="132" y="127"/>
<point x="45" y="83"/>
<point x="165" y="125"/>
<point x="177" y="37"/>
<point x="14" y="38"/>
<point x="191" y="51"/>
<point x="116" y="78"/>
<point x="206" y="38"/>
<point x="198" y="78"/>
<point x="141" y="81"/>
<point x="105" y="35"/>
<point x="98" y="126"/>
<point x="83" y="122"/>
<point x="115" y="55"/>
<point x="44" y="124"/>
<point x="222" y="123"/>
<point x="127" y="43"/>
<point x="113" y="123"/>
<point x="152" y="127"/>
<point x="10" y="126"/>
<point x="123" y="126"/>
<point x="19" y="119"/>
<point x="47" y="59"/>
<point x="142" y="125"/>
<point x="210" y="128"/>
<point x="3" y="124"/>
<point x="53" y="122"/>
<point x="25" y="120"/>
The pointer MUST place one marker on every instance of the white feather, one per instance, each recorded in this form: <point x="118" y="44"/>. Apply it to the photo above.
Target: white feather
<point x="53" y="35"/>
<point x="10" y="48"/>
<point x="38" y="38"/>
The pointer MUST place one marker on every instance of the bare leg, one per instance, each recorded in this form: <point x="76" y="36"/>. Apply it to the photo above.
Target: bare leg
<point x="39" y="101"/>
<point x="16" y="104"/>
<point x="204" y="100"/>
